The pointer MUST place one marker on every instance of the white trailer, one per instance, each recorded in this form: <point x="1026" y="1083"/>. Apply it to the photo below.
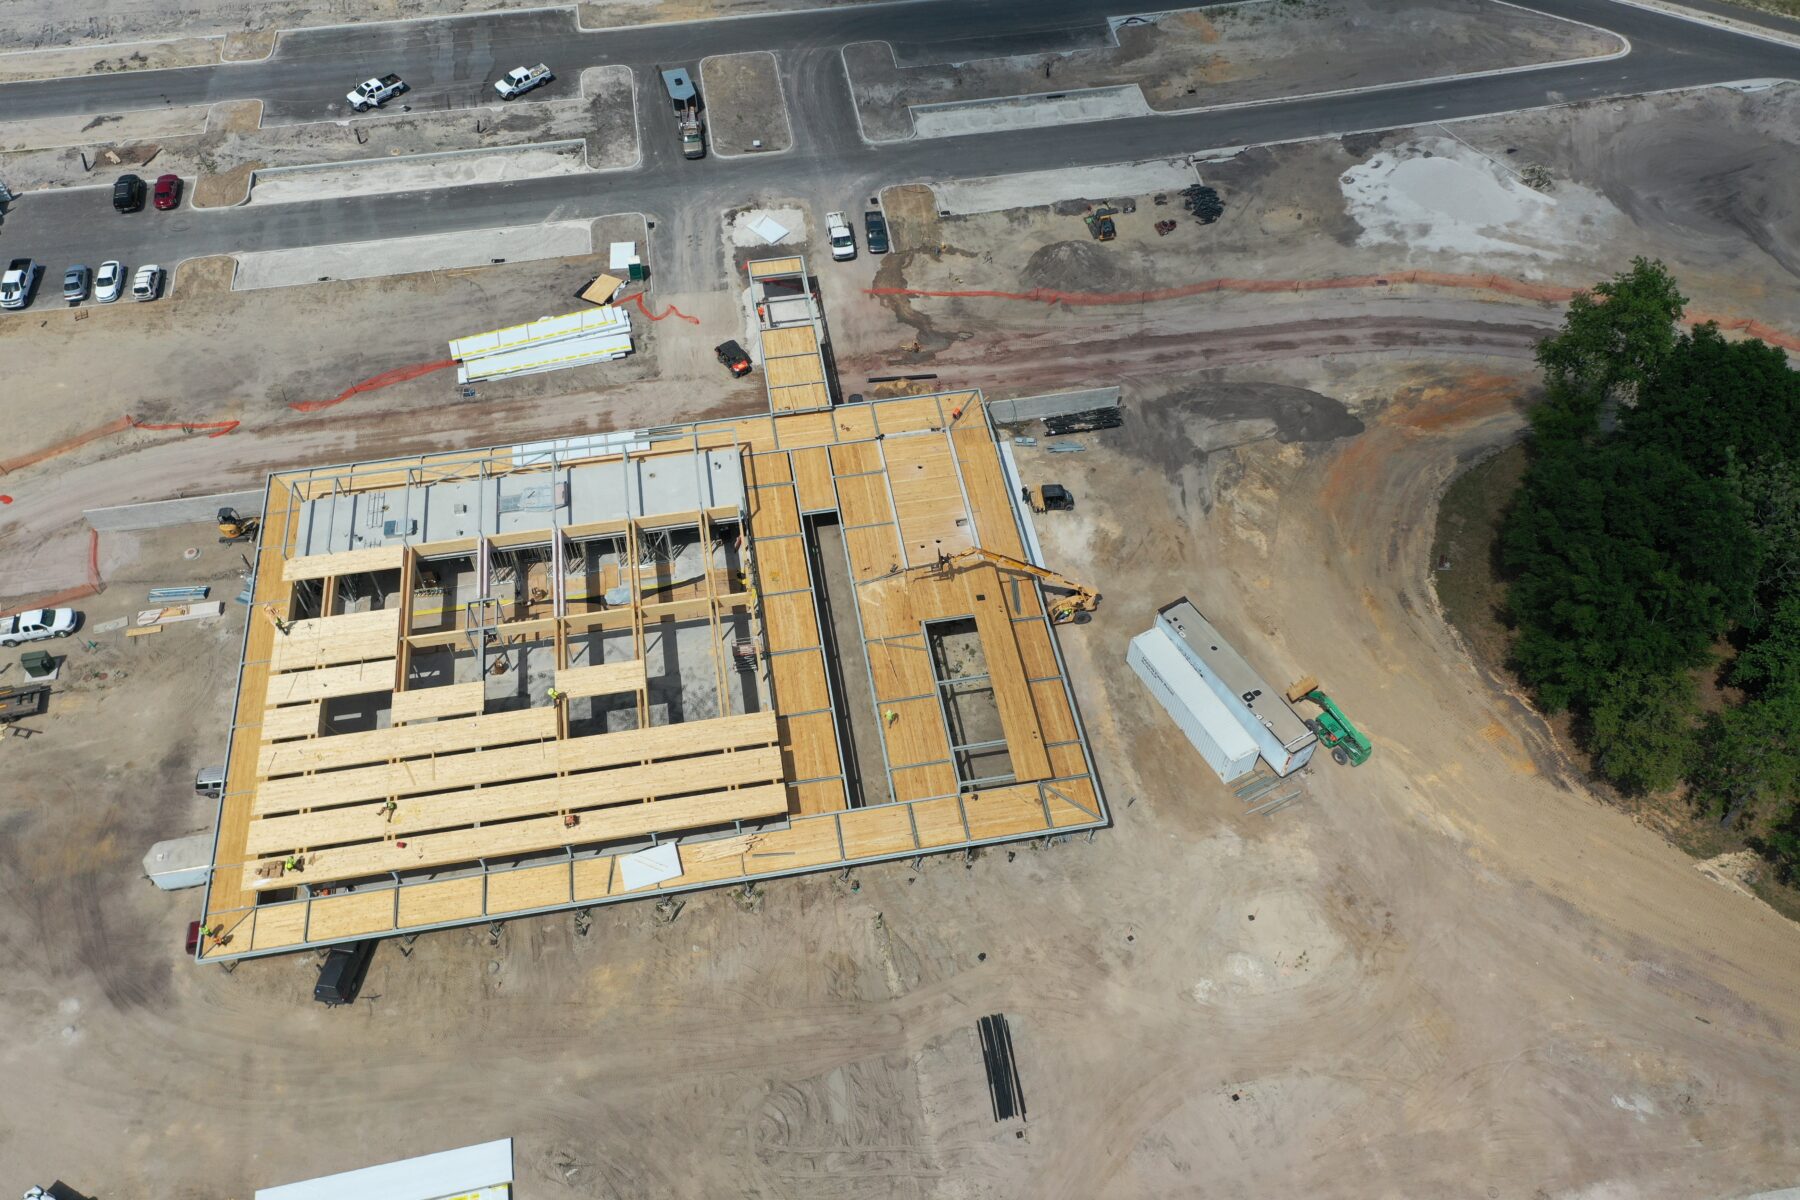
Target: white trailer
<point x="1210" y="727"/>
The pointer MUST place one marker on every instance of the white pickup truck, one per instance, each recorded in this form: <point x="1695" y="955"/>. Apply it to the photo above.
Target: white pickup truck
<point x="16" y="284"/>
<point x="843" y="241"/>
<point x="373" y="93"/>
<point x="519" y="80"/>
<point x="38" y="624"/>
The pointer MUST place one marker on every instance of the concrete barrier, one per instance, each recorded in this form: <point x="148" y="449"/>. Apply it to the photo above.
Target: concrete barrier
<point x="159" y="514"/>
<point x="1055" y="404"/>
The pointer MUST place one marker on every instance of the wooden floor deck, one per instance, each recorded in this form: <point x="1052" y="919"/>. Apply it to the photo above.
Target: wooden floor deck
<point x="908" y="481"/>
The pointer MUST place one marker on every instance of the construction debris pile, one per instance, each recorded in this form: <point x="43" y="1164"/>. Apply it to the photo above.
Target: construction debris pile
<point x="1203" y="202"/>
<point x="1085" y="422"/>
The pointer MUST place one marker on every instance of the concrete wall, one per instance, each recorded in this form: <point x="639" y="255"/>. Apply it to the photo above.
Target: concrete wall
<point x="159" y="514"/>
<point x="1056" y="404"/>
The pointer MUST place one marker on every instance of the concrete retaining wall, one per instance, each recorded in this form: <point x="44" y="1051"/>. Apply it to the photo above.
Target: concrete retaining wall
<point x="1034" y="408"/>
<point x="159" y="514"/>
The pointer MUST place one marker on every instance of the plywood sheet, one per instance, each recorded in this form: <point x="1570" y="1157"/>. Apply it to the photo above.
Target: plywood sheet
<point x="886" y="829"/>
<point x="769" y="268"/>
<point x="794" y="371"/>
<point x="405" y="778"/>
<point x="909" y="414"/>
<point x="795" y="430"/>
<point x="326" y="641"/>
<point x="800" y="397"/>
<point x="1014" y="697"/>
<point x="347" y="562"/>
<point x="812" y="475"/>
<point x="939" y="822"/>
<point x="781" y="565"/>
<point x="855" y="458"/>
<point x="799" y="681"/>
<point x="809" y="747"/>
<point x="1005" y="812"/>
<point x="1053" y="711"/>
<point x="441" y="901"/>
<point x="923" y="783"/>
<point x="901" y="668"/>
<point x="602" y="679"/>
<point x="295" y="720"/>
<point x="863" y="500"/>
<point x="449" y="810"/>
<point x="1033" y="638"/>
<point x="820" y="796"/>
<point x="874" y="552"/>
<point x="351" y="915"/>
<point x="413" y="741"/>
<point x="274" y="926"/>
<point x="791" y="339"/>
<point x="448" y="700"/>
<point x="529" y="887"/>
<point x="916" y="735"/>
<point x="326" y="682"/>
<point x="773" y="513"/>
<point x="808" y="842"/>
<point x="529" y="836"/>
<point x="790" y="621"/>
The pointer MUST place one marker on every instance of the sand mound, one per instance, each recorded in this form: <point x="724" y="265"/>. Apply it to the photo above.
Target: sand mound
<point x="1078" y="267"/>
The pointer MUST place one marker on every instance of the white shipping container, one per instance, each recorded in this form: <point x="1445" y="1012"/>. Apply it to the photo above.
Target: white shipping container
<point x="1227" y="748"/>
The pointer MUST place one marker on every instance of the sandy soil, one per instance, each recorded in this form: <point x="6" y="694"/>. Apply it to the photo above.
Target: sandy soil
<point x="235" y="144"/>
<point x="1256" y="51"/>
<point x="745" y="103"/>
<point x="1451" y="970"/>
<point x="248" y="25"/>
<point x="143" y="56"/>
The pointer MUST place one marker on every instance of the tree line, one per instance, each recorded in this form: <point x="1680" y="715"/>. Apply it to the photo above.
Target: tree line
<point x="1654" y="542"/>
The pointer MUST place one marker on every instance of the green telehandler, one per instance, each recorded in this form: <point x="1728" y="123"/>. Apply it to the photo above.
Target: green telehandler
<point x="1346" y="742"/>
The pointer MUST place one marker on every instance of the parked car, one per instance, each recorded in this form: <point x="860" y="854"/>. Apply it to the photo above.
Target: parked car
<point x="734" y="358"/>
<point x="875" y="229"/>
<point x="76" y="282"/>
<point x="19" y="282"/>
<point x="128" y="194"/>
<point x="109" y="284"/>
<point x="210" y="782"/>
<point x="38" y="624"/>
<point x="838" y="233"/>
<point x="148" y="283"/>
<point x="342" y="975"/>
<point x="168" y="192"/>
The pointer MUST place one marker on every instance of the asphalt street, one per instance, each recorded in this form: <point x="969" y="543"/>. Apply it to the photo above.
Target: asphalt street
<point x="451" y="58"/>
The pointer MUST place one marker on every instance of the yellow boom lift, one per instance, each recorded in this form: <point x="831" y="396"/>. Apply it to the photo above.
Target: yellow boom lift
<point x="1063" y="609"/>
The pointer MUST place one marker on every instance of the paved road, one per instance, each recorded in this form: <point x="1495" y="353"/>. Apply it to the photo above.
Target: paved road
<point x="450" y="58"/>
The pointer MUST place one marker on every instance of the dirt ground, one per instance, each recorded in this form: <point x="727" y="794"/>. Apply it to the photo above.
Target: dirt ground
<point x="1452" y="971"/>
<point x="744" y="103"/>
<point x="1239" y="53"/>
<point x="235" y="144"/>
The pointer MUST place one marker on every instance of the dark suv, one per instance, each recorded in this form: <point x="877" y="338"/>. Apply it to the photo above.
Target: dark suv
<point x="128" y="194"/>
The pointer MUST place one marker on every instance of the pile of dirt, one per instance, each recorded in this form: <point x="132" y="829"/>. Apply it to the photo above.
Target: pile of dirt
<point x="1081" y="267"/>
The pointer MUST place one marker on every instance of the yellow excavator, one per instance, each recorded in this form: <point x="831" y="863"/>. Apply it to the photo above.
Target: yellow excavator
<point x="1063" y="609"/>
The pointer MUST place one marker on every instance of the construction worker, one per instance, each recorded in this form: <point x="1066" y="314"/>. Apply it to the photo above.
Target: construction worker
<point x="891" y="716"/>
<point x="389" y="809"/>
<point x="557" y="695"/>
<point x="209" y="931"/>
<point x="291" y="863"/>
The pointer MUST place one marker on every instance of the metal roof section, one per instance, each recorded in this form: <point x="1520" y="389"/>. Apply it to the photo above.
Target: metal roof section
<point x="1215" y="656"/>
<point x="486" y="1168"/>
<point x="574" y="339"/>
<point x="680" y="85"/>
<point x="451" y="509"/>
<point x="790" y="330"/>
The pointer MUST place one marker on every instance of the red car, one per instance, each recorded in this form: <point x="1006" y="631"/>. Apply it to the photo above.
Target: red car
<point x="168" y="192"/>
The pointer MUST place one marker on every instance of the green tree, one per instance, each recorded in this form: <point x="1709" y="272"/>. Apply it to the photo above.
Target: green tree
<point x="1642" y="730"/>
<point x="1613" y="341"/>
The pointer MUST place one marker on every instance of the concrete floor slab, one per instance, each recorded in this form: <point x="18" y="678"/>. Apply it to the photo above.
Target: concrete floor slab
<point x="404" y="256"/>
<point x="425" y="172"/>
<point x="965" y="197"/>
<point x="1029" y="112"/>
